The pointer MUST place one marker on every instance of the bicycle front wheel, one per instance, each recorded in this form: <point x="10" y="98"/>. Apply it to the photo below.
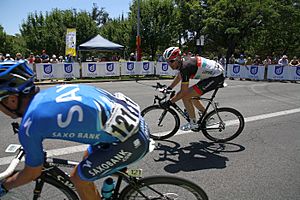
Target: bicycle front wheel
<point x="223" y="124"/>
<point x="162" y="123"/>
<point x="163" y="187"/>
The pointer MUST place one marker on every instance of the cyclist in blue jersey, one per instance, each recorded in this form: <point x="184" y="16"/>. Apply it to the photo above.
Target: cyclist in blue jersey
<point x="79" y="113"/>
<point x="208" y="71"/>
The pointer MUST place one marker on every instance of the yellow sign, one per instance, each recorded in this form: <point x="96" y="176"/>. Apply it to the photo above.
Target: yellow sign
<point x="71" y="42"/>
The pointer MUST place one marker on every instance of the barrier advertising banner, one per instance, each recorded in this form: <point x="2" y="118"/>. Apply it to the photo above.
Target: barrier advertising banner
<point x="254" y="72"/>
<point x="295" y="73"/>
<point x="278" y="72"/>
<point x="163" y="69"/>
<point x="281" y="72"/>
<point x="235" y="71"/>
<point x="60" y="70"/>
<point x="128" y="68"/>
<point x="110" y="69"/>
<point x="90" y="70"/>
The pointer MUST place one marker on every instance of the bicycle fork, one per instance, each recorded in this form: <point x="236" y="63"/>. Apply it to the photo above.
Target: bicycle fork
<point x="162" y="116"/>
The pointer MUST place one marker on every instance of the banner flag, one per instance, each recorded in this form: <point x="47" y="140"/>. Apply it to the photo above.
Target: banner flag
<point x="71" y="42"/>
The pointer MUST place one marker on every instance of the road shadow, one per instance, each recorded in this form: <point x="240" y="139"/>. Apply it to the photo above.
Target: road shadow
<point x="197" y="156"/>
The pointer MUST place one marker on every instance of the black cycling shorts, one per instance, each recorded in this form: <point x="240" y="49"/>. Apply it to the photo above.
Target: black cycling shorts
<point x="208" y="84"/>
<point x="106" y="159"/>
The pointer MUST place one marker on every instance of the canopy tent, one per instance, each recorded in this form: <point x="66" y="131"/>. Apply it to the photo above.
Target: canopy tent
<point x="100" y="44"/>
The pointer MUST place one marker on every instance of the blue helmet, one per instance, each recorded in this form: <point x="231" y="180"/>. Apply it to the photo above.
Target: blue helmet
<point x="15" y="78"/>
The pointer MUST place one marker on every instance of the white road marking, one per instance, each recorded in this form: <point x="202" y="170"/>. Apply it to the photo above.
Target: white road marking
<point x="81" y="148"/>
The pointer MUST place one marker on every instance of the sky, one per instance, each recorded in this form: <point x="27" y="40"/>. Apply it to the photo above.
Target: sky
<point x="13" y="12"/>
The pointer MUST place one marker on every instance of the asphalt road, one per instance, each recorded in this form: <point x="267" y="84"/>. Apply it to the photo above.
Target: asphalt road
<point x="262" y="163"/>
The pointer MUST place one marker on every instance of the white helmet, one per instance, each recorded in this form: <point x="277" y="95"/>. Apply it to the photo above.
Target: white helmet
<point x="171" y="53"/>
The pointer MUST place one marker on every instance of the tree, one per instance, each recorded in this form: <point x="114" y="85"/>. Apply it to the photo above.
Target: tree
<point x="157" y="25"/>
<point x="279" y="31"/>
<point x="49" y="31"/>
<point x="101" y="17"/>
<point x="230" y="22"/>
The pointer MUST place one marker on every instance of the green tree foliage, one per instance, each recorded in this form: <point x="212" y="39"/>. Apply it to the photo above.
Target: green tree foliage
<point x="157" y="25"/>
<point x="49" y="31"/>
<point x="117" y="30"/>
<point x="260" y="27"/>
<point x="99" y="16"/>
<point x="279" y="33"/>
<point x="2" y="40"/>
<point x="230" y="22"/>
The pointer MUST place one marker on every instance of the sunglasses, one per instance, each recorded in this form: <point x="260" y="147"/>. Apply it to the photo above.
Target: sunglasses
<point x="3" y="97"/>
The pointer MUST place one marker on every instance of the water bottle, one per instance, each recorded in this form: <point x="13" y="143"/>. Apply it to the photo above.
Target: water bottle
<point x="107" y="188"/>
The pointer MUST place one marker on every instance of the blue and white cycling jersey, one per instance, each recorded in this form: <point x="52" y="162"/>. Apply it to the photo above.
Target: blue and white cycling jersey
<point x="69" y="112"/>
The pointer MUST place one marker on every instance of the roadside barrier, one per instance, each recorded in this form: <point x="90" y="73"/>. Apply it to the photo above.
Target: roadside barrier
<point x="118" y="69"/>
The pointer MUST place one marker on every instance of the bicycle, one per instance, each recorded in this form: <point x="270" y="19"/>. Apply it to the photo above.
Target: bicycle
<point x="129" y="182"/>
<point x="219" y="125"/>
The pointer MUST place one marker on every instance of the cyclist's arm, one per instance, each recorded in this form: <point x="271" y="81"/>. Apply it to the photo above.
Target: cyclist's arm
<point x="176" y="80"/>
<point x="22" y="177"/>
<point x="182" y="92"/>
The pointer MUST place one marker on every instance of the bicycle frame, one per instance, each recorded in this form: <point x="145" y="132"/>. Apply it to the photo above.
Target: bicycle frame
<point x="210" y="101"/>
<point x="52" y="169"/>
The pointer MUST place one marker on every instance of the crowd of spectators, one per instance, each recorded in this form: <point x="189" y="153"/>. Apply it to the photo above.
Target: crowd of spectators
<point x="269" y="60"/>
<point x="42" y="58"/>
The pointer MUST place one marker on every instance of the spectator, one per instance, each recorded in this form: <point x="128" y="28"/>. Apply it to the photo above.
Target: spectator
<point x="249" y="61"/>
<point x="54" y="59"/>
<point x="69" y="58"/>
<point x="31" y="58"/>
<point x="132" y="57"/>
<point x="284" y="60"/>
<point x="223" y="61"/>
<point x="93" y="59"/>
<point x="1" y="57"/>
<point x="231" y="60"/>
<point x="60" y="59"/>
<point x="19" y="57"/>
<point x="8" y="58"/>
<point x="294" y="62"/>
<point x="241" y="61"/>
<point x="274" y="59"/>
<point x="37" y="59"/>
<point x="266" y="63"/>
<point x="257" y="60"/>
<point x="45" y="57"/>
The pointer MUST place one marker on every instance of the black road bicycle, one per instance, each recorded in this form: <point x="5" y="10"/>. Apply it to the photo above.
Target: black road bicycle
<point x="221" y="124"/>
<point x="55" y="183"/>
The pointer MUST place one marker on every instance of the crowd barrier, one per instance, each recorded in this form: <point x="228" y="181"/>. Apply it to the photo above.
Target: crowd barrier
<point x="108" y="69"/>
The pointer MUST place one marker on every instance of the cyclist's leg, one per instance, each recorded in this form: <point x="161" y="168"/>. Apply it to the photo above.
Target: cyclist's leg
<point x="198" y="104"/>
<point x="85" y="189"/>
<point x="204" y="86"/>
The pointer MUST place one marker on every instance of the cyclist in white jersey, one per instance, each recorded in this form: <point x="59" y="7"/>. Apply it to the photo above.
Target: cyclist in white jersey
<point x="208" y="71"/>
<point x="111" y="124"/>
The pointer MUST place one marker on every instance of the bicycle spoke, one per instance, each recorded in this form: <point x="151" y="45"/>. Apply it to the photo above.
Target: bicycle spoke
<point x="224" y="125"/>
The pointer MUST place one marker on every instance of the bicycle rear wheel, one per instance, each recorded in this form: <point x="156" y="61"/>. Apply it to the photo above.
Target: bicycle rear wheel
<point x="223" y="124"/>
<point x="52" y="189"/>
<point x="163" y="187"/>
<point x="162" y="123"/>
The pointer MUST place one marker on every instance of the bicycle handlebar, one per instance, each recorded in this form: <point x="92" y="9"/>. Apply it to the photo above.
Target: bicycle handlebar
<point x="12" y="166"/>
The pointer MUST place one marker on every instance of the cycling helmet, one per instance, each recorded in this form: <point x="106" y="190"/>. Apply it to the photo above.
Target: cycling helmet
<point x="15" y="78"/>
<point x="171" y="53"/>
